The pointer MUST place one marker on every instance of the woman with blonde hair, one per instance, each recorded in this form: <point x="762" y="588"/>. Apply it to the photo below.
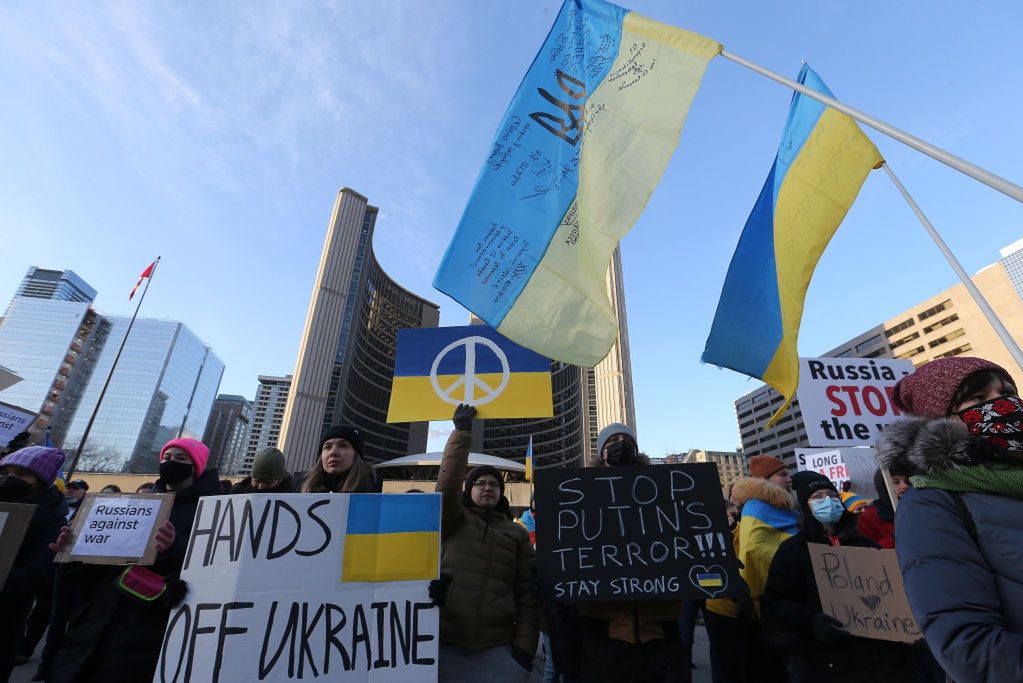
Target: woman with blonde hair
<point x="341" y="467"/>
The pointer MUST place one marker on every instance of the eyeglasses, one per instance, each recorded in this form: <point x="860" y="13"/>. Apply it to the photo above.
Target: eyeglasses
<point x="480" y="485"/>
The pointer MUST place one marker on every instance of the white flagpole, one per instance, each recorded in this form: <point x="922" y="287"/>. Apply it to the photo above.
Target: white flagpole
<point x="967" y="281"/>
<point x="976" y="172"/>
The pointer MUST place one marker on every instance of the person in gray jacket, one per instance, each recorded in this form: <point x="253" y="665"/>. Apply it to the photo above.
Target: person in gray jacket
<point x="959" y="530"/>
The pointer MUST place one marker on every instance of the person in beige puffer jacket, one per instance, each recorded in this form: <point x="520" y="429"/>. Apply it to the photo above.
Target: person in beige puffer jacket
<point x="489" y="622"/>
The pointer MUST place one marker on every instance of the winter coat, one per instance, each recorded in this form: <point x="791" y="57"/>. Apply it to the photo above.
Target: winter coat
<point x="112" y="636"/>
<point x="966" y="592"/>
<point x="32" y="570"/>
<point x="286" y="485"/>
<point x="491" y="600"/>
<point x="791" y="600"/>
<point x="877" y="522"/>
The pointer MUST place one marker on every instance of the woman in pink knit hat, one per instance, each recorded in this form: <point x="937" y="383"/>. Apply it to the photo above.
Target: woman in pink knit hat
<point x="959" y="529"/>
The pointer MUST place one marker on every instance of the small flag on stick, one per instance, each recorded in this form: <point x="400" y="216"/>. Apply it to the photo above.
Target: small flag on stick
<point x="145" y="273"/>
<point x="529" y="460"/>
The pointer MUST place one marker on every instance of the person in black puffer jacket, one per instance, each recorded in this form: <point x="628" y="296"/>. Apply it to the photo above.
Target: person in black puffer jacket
<point x="26" y="477"/>
<point x="114" y="637"/>
<point x="960" y="528"/>
<point x="816" y="648"/>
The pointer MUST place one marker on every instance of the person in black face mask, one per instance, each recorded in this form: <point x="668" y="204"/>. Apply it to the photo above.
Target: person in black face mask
<point x="112" y="635"/>
<point x="26" y="477"/>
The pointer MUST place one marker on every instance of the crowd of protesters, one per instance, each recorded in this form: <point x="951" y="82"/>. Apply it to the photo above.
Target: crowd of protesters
<point x="951" y="507"/>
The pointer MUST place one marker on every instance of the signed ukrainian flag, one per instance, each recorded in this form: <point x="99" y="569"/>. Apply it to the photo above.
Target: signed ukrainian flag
<point x="437" y="368"/>
<point x="821" y="164"/>
<point x="392" y="537"/>
<point x="580" y="150"/>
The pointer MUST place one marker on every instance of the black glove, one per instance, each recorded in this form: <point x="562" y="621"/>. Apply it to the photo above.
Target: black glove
<point x="173" y="593"/>
<point x="980" y="451"/>
<point x="826" y="629"/>
<point x="439" y="590"/>
<point x="463" y="417"/>
<point x="524" y="660"/>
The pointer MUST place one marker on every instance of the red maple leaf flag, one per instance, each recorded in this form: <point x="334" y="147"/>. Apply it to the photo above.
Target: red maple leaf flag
<point x="145" y="273"/>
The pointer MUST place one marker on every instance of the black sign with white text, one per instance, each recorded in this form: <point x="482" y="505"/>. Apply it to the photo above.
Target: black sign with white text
<point x="656" y="532"/>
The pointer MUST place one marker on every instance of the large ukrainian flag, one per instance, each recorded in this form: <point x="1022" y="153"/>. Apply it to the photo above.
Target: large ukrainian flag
<point x="392" y="537"/>
<point x="580" y="150"/>
<point x="435" y="369"/>
<point x="821" y="164"/>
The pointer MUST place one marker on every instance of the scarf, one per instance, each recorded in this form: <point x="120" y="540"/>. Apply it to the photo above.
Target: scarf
<point x="1000" y="421"/>
<point x="1000" y="479"/>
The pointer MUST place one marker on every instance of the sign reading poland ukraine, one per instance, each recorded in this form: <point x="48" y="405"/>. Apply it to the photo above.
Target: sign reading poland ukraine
<point x="438" y="368"/>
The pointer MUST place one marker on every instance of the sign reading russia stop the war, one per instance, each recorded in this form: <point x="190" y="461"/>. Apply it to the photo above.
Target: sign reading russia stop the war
<point x="848" y="401"/>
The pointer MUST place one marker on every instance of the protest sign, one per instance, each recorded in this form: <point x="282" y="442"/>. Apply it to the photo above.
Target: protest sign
<point x="301" y="586"/>
<point x="848" y="401"/>
<point x="657" y="532"/>
<point x="13" y="421"/>
<point x="435" y="369"/>
<point x="14" y="520"/>
<point x="117" y="528"/>
<point x="855" y="465"/>
<point x="862" y="588"/>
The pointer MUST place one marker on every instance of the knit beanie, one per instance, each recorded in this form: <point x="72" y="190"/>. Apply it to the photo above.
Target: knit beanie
<point x="609" y="431"/>
<point x="41" y="461"/>
<point x="268" y="465"/>
<point x="477" y="472"/>
<point x="928" y="391"/>
<point x="196" y="450"/>
<point x="805" y="483"/>
<point x="765" y="466"/>
<point x="350" y="434"/>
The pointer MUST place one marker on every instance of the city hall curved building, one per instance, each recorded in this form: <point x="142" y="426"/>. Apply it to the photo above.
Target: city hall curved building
<point x="345" y="363"/>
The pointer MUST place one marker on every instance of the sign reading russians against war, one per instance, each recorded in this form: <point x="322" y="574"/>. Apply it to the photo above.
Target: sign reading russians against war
<point x="634" y="533"/>
<point x="302" y="586"/>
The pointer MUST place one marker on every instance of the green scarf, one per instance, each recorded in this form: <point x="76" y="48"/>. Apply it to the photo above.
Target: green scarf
<point x="1001" y="479"/>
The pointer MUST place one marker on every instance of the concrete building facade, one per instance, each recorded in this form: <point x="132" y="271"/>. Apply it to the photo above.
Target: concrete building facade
<point x="345" y="363"/>
<point x="731" y="464"/>
<point x="267" y="418"/>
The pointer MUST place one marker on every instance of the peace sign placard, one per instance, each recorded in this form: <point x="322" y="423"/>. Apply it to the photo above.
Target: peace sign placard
<point x="436" y="369"/>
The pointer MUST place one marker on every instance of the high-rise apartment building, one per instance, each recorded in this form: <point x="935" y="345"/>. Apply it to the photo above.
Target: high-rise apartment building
<point x="60" y="285"/>
<point x="163" y="388"/>
<point x="585" y="401"/>
<point x="345" y="363"/>
<point x="947" y="324"/>
<point x="267" y="418"/>
<point x="227" y="432"/>
<point x="731" y="464"/>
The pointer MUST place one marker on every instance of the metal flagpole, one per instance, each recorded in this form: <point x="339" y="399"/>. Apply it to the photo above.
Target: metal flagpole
<point x="977" y="173"/>
<point x="102" y="393"/>
<point x="967" y="281"/>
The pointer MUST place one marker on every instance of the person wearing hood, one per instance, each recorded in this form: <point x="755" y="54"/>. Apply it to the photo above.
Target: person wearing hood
<point x="342" y="466"/>
<point x="27" y="477"/>
<point x="113" y="635"/>
<point x="269" y="474"/>
<point x="489" y="624"/>
<point x="815" y="646"/>
<point x="877" y="522"/>
<point x="959" y="527"/>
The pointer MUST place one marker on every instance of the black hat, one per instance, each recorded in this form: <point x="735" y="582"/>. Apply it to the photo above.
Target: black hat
<point x="805" y="483"/>
<point x="78" y="484"/>
<point x="350" y="434"/>
<point x="477" y="472"/>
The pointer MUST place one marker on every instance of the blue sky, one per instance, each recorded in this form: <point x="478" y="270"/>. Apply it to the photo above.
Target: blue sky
<point x="217" y="134"/>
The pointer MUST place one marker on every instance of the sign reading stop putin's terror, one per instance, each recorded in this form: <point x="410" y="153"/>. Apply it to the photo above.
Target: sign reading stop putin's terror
<point x="656" y="532"/>
<point x="848" y="401"/>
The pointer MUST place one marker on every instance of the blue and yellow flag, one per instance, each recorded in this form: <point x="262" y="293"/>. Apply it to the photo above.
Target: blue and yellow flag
<point x="392" y="537"/>
<point x="435" y="369"/>
<point x="531" y="252"/>
<point x="529" y="459"/>
<point x="821" y="164"/>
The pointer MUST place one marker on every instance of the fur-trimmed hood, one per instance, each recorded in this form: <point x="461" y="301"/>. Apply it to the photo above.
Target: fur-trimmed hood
<point x="923" y="445"/>
<point x="755" y="488"/>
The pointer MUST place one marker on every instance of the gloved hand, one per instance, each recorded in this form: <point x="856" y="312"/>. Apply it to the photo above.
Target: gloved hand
<point x="439" y="590"/>
<point x="826" y="629"/>
<point x="524" y="660"/>
<point x="463" y="417"/>
<point x="173" y="593"/>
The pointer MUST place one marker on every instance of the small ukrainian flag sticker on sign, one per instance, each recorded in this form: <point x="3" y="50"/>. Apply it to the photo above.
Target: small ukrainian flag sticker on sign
<point x="392" y="537"/>
<point x="711" y="580"/>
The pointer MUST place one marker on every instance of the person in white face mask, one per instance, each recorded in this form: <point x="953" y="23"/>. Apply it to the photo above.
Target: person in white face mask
<point x="814" y="645"/>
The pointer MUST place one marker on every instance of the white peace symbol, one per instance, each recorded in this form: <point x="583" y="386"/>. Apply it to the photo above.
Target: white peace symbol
<point x="469" y="381"/>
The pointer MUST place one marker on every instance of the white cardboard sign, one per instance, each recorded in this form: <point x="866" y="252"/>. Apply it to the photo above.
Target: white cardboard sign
<point x="271" y="595"/>
<point x="118" y="527"/>
<point x="13" y="421"/>
<point x="848" y="401"/>
<point x="856" y="465"/>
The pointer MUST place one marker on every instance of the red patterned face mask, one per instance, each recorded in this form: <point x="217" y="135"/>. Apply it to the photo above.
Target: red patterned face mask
<point x="1000" y="421"/>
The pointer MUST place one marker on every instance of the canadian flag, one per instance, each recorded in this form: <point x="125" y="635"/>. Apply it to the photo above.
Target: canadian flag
<point x="145" y="273"/>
